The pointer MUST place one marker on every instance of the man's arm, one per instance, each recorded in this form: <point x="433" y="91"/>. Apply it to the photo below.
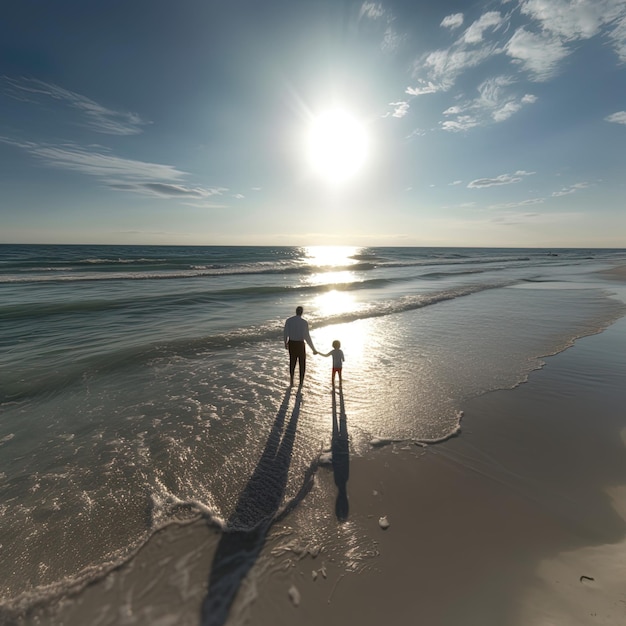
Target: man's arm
<point x="307" y="336"/>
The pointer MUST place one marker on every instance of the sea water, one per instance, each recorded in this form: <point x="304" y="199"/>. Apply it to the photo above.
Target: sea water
<point x="141" y="385"/>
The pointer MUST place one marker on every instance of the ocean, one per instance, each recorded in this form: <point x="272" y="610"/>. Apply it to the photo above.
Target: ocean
<point x="142" y="386"/>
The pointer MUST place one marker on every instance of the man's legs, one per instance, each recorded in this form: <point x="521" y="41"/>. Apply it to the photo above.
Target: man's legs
<point x="297" y="352"/>
<point x="292" y="364"/>
<point x="302" y="363"/>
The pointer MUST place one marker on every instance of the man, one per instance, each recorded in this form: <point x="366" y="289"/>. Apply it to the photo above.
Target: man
<point x="295" y="334"/>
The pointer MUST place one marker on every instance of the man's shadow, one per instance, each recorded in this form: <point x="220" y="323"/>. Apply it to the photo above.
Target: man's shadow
<point x="340" y="456"/>
<point x="246" y="529"/>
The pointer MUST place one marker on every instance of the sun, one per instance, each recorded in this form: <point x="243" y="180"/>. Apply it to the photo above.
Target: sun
<point x="337" y="146"/>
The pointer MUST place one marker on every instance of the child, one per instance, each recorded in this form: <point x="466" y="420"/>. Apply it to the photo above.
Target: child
<point x="338" y="359"/>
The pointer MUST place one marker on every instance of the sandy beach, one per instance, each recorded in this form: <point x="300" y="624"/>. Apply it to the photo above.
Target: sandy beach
<point x="519" y="520"/>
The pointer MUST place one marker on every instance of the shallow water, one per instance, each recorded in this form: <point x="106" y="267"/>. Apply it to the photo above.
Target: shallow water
<point x="142" y="385"/>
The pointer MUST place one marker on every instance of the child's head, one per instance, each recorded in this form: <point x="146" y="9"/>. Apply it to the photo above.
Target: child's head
<point x="336" y="344"/>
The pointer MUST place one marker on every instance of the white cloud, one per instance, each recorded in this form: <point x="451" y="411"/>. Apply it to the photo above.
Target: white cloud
<point x="538" y="54"/>
<point x="503" y="179"/>
<point x="618" y="35"/>
<point x="573" y="19"/>
<point x="505" y="111"/>
<point x="452" y="21"/>
<point x="94" y="115"/>
<point x="372" y="10"/>
<point x="391" y="40"/>
<point x="511" y="107"/>
<point x="456" y="182"/>
<point x="460" y="124"/>
<point x="537" y="47"/>
<point x="566" y="191"/>
<point x="438" y="70"/>
<point x="168" y="190"/>
<point x="444" y="66"/>
<point x="491" y="91"/>
<point x="122" y="174"/>
<point x="512" y="205"/>
<point x="401" y="108"/>
<point x="617" y="118"/>
<point x="474" y="34"/>
<point x="423" y="87"/>
<point x="494" y="103"/>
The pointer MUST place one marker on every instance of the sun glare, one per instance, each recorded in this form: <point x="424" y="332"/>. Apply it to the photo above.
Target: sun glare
<point x="337" y="146"/>
<point x="330" y="256"/>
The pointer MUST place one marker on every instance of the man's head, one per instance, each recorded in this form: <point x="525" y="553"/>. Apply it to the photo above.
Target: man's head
<point x="299" y="310"/>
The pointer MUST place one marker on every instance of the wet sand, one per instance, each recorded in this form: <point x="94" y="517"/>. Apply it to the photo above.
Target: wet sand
<point x="520" y="520"/>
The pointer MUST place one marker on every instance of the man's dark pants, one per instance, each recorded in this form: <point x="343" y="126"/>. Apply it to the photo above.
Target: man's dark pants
<point x="297" y="352"/>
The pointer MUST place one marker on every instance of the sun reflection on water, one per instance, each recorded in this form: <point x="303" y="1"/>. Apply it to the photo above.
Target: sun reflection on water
<point x="334" y="303"/>
<point x="353" y="338"/>
<point x="330" y="256"/>
<point x="330" y="266"/>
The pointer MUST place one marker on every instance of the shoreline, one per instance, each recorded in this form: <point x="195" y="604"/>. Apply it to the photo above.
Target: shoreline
<point x="520" y="520"/>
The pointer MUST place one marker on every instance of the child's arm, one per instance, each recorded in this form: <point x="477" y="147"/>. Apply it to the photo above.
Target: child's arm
<point x="322" y="354"/>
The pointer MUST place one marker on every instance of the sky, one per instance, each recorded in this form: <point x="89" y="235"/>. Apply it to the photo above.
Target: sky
<point x="495" y="123"/>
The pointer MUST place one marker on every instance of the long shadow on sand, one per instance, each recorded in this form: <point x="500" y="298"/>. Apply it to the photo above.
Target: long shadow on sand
<point x="256" y="510"/>
<point x="340" y="456"/>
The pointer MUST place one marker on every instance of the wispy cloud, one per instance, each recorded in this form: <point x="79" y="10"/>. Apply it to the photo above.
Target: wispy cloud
<point x="535" y="37"/>
<point x="460" y="124"/>
<point x="562" y="22"/>
<point x="618" y="36"/>
<point x="512" y="205"/>
<point x="438" y="70"/>
<point x="566" y="191"/>
<point x="617" y="118"/>
<point x="443" y="67"/>
<point x="512" y="106"/>
<point x="118" y="173"/>
<point x="573" y="19"/>
<point x="400" y="109"/>
<point x="474" y="34"/>
<point x="422" y="87"/>
<point x="390" y="39"/>
<point x="452" y="21"/>
<point x="169" y="190"/>
<point x="93" y="115"/>
<point x="372" y="10"/>
<point x="539" y="54"/>
<point x="503" y="179"/>
<point x="494" y="103"/>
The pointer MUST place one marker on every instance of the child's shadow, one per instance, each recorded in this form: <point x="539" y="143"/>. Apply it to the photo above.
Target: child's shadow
<point x="340" y="456"/>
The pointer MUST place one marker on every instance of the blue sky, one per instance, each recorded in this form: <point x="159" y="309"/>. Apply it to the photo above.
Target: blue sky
<point x="491" y="123"/>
